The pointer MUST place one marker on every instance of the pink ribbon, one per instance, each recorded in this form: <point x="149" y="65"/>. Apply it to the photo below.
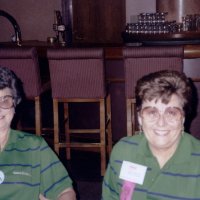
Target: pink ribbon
<point x="127" y="190"/>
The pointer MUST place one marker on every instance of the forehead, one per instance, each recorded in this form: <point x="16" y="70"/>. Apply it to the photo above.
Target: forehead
<point x="5" y="91"/>
<point x="175" y="101"/>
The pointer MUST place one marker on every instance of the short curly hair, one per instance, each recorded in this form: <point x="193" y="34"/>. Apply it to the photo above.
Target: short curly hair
<point x="162" y="85"/>
<point x="8" y="79"/>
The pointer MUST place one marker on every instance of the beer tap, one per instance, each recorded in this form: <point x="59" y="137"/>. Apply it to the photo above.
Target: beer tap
<point x="59" y="27"/>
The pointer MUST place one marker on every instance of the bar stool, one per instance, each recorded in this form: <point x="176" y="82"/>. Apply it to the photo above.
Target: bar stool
<point x="77" y="76"/>
<point x="24" y="62"/>
<point x="139" y="61"/>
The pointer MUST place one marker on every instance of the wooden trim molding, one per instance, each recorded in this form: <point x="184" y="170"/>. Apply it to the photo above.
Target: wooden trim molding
<point x="191" y="51"/>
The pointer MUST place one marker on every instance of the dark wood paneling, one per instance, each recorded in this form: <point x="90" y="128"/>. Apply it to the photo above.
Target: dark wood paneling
<point x="98" y="21"/>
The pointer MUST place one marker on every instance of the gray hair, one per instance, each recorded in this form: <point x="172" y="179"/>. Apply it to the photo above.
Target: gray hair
<point x="8" y="79"/>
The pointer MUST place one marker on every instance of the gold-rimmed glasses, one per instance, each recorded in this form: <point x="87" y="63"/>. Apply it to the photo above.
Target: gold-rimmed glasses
<point x="6" y="102"/>
<point x="170" y="115"/>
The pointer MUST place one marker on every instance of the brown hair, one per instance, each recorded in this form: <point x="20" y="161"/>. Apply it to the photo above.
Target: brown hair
<point x="162" y="85"/>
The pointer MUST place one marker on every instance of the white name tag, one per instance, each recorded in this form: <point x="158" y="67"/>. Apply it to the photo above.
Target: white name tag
<point x="2" y="177"/>
<point x="133" y="172"/>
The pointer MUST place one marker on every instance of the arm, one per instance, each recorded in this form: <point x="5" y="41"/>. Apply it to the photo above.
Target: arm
<point x="110" y="186"/>
<point x="67" y="194"/>
<point x="55" y="181"/>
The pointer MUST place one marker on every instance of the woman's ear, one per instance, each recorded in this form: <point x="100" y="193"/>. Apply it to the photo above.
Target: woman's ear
<point x="183" y="120"/>
<point x="139" y="119"/>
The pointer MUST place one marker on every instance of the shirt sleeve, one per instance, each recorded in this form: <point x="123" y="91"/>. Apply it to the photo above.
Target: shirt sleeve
<point x="111" y="184"/>
<point x="54" y="176"/>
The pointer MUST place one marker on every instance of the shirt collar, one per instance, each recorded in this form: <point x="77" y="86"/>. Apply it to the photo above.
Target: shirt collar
<point x="13" y="137"/>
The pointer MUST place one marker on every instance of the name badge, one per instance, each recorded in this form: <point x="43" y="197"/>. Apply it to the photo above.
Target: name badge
<point x="2" y="177"/>
<point x="133" y="172"/>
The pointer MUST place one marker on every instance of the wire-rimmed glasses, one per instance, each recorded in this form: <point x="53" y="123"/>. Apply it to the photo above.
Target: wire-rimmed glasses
<point x="170" y="115"/>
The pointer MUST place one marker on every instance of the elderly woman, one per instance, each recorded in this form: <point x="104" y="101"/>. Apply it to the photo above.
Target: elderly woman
<point x="29" y="169"/>
<point x="162" y="162"/>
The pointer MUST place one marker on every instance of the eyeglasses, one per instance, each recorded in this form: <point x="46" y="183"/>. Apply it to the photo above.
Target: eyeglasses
<point x="171" y="114"/>
<point x="6" y="102"/>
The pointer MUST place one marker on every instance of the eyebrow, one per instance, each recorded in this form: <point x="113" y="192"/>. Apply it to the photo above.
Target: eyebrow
<point x="165" y="109"/>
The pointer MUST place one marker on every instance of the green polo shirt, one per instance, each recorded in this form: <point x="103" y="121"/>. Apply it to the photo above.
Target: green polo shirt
<point x="179" y="179"/>
<point x="29" y="167"/>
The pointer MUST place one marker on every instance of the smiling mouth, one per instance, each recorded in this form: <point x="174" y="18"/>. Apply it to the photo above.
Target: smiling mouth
<point x="161" y="133"/>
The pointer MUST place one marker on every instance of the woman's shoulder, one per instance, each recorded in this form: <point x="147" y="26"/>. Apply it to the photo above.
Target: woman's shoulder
<point x="195" y="142"/>
<point x="127" y="148"/>
<point x="129" y="142"/>
<point x="24" y="138"/>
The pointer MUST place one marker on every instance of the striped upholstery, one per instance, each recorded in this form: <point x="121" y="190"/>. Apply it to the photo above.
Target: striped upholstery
<point x="24" y="62"/>
<point x="75" y="53"/>
<point x="144" y="60"/>
<point x="77" y="73"/>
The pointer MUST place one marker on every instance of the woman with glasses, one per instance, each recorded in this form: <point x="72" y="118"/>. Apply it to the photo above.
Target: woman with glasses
<point x="29" y="169"/>
<point x="162" y="162"/>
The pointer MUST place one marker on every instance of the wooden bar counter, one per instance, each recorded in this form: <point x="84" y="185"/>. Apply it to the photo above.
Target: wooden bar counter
<point x="111" y="51"/>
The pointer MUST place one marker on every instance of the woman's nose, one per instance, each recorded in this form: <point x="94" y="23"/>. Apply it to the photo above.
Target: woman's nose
<point x="161" y="120"/>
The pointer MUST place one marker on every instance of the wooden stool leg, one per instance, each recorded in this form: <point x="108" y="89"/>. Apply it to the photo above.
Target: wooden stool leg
<point x="108" y="125"/>
<point x="129" y="117"/>
<point x="102" y="137"/>
<point x="133" y="114"/>
<point x="56" y="125"/>
<point x="67" y="131"/>
<point x="38" y="120"/>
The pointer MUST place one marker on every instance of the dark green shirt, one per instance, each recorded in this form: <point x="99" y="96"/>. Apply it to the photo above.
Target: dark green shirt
<point x="30" y="167"/>
<point x="179" y="179"/>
